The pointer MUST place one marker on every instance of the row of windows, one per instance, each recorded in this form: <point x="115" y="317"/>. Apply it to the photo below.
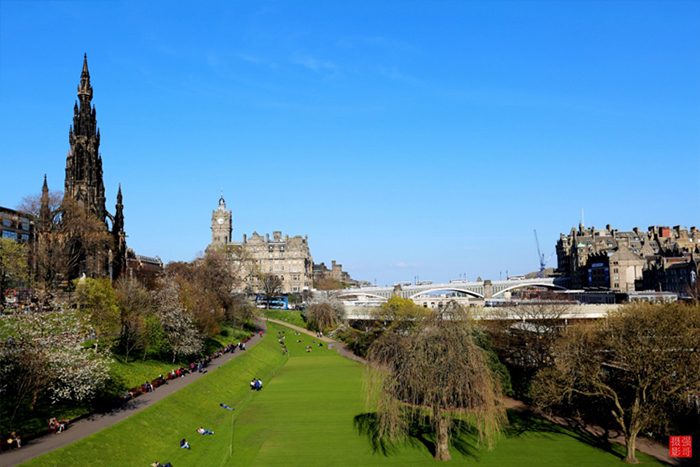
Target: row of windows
<point x="23" y="224"/>
<point x="15" y="236"/>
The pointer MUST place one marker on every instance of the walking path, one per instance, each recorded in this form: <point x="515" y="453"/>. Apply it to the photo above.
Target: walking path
<point x="96" y="422"/>
<point x="645" y="445"/>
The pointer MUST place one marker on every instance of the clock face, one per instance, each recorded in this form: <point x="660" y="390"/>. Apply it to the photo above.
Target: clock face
<point x="220" y="220"/>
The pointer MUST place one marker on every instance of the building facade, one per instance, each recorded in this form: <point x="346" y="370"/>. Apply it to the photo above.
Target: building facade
<point x="336" y="273"/>
<point x="288" y="258"/>
<point x="628" y="261"/>
<point x="17" y="226"/>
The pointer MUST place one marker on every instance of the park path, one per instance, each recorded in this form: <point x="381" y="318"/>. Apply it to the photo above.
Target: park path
<point x="645" y="445"/>
<point x="96" y="422"/>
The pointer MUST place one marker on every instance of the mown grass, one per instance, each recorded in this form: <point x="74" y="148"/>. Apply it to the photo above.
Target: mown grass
<point x="311" y="412"/>
<point x="123" y="375"/>
<point x="288" y="316"/>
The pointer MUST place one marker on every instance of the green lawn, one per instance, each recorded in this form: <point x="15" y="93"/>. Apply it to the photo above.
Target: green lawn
<point x="308" y="414"/>
<point x="288" y="316"/>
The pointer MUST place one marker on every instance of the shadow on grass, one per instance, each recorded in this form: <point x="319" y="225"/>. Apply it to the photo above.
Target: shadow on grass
<point x="463" y="436"/>
<point x="526" y="421"/>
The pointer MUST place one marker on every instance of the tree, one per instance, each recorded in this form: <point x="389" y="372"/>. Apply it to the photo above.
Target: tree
<point x="177" y="324"/>
<point x="524" y="336"/>
<point x="70" y="239"/>
<point x="433" y="374"/>
<point x="48" y="252"/>
<point x="45" y="354"/>
<point x="271" y="287"/>
<point x="320" y="316"/>
<point x="99" y="300"/>
<point x="399" y="314"/>
<point x="134" y="305"/>
<point x="84" y="239"/>
<point x="328" y="283"/>
<point x="13" y="265"/>
<point x="636" y="362"/>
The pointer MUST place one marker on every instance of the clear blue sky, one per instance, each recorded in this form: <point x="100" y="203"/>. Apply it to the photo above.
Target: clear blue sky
<point x="405" y="138"/>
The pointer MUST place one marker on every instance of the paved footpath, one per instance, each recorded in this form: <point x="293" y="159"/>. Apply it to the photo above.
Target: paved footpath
<point x="96" y="422"/>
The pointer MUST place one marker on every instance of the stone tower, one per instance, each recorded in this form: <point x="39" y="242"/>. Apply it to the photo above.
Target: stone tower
<point x="118" y="260"/>
<point x="84" y="162"/>
<point x="221" y="224"/>
<point x="84" y="184"/>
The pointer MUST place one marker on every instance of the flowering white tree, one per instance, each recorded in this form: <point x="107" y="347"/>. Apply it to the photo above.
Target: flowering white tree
<point x="178" y="324"/>
<point x="44" y="354"/>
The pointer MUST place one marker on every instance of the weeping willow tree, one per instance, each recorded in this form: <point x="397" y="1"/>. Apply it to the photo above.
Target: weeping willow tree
<point x="435" y="375"/>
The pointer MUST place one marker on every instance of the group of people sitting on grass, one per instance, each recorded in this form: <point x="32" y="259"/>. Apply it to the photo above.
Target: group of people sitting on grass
<point x="280" y="338"/>
<point x="255" y="384"/>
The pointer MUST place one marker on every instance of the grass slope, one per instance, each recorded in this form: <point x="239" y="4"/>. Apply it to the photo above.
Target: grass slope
<point x="307" y="415"/>
<point x="288" y="316"/>
<point x="154" y="433"/>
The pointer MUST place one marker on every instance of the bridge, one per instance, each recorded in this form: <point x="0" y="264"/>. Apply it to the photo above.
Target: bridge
<point x="479" y="290"/>
<point x="563" y="314"/>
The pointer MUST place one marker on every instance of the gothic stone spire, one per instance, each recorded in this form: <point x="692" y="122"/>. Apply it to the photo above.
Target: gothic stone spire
<point x="84" y="165"/>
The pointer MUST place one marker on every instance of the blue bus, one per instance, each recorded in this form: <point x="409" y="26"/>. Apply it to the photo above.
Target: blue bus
<point x="277" y="303"/>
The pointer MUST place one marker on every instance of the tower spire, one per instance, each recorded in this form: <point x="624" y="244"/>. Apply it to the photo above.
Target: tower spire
<point x="84" y="89"/>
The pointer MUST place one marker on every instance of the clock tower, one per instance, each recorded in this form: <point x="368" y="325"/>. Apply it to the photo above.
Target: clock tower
<point x="221" y="224"/>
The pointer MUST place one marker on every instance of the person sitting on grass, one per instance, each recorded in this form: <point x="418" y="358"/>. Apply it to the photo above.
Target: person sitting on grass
<point x="258" y="384"/>
<point x="202" y="431"/>
<point x="158" y="464"/>
<point x="184" y="444"/>
<point x="252" y="385"/>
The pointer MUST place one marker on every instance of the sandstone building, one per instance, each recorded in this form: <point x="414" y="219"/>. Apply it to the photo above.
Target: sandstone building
<point x="661" y="258"/>
<point x="336" y="273"/>
<point x="288" y="258"/>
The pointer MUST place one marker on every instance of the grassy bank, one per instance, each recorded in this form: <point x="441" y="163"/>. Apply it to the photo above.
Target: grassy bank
<point x="311" y="412"/>
<point x="288" y="316"/>
<point x="154" y="433"/>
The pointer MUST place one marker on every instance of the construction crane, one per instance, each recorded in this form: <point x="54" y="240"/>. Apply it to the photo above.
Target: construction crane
<point x="540" y="257"/>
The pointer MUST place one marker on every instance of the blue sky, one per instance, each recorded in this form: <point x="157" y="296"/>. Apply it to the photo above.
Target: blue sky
<point x="405" y="138"/>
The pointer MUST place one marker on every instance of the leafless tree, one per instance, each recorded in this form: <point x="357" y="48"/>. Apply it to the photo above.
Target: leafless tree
<point x="135" y="304"/>
<point x="638" y="360"/>
<point x="320" y="316"/>
<point x="437" y="373"/>
<point x="271" y="287"/>
<point x="524" y="335"/>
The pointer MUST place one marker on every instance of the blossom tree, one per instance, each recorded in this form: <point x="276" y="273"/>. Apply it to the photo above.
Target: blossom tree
<point x="178" y="324"/>
<point x="44" y="355"/>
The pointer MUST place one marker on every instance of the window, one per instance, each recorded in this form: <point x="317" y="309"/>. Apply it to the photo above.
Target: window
<point x="9" y="234"/>
<point x="7" y="222"/>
